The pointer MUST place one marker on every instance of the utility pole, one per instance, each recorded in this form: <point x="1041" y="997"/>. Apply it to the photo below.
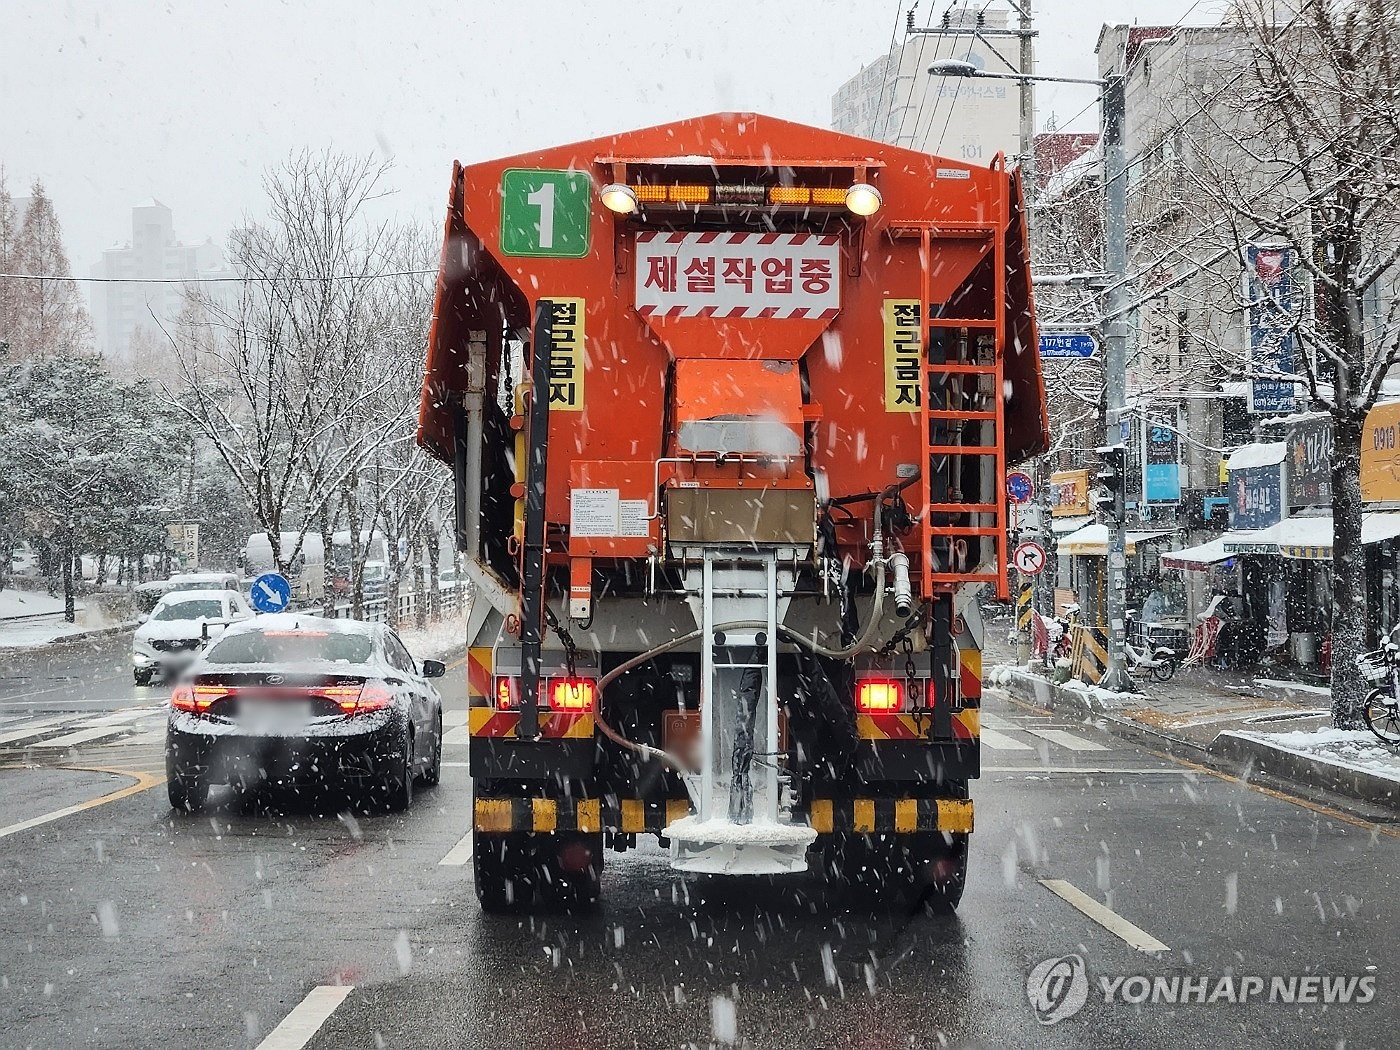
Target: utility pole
<point x="1115" y="341"/>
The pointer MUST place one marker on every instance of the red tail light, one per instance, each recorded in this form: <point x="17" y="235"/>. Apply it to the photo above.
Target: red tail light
<point x="507" y="694"/>
<point x="195" y="698"/>
<point x="374" y="696"/>
<point x="879" y="695"/>
<point x="573" y="695"/>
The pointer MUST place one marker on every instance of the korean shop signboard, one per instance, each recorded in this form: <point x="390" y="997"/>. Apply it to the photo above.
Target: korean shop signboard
<point x="1380" y="454"/>
<point x="1269" y="291"/>
<point x="1069" y="494"/>
<point x="1310" y="464"/>
<point x="1256" y="497"/>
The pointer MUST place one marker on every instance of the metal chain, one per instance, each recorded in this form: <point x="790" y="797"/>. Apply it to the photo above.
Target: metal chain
<point x="566" y="639"/>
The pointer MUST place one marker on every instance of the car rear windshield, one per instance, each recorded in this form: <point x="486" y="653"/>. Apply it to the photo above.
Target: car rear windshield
<point x="277" y="647"/>
<point x="210" y="607"/>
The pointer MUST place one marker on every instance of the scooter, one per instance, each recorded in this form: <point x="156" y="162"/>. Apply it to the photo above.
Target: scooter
<point x="1162" y="661"/>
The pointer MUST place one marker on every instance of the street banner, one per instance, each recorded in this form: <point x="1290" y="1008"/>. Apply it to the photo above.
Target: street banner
<point x="1310" y="464"/>
<point x="1161" y="457"/>
<point x="1270" y="302"/>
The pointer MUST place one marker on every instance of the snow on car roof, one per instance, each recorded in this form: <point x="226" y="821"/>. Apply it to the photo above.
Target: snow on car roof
<point x="204" y="594"/>
<point x="300" y="621"/>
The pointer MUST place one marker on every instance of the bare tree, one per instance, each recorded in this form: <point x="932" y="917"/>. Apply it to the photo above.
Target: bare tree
<point x="271" y="377"/>
<point x="1310" y="164"/>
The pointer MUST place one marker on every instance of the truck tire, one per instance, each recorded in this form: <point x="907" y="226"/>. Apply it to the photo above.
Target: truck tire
<point x="920" y="869"/>
<point x="939" y="864"/>
<point x="571" y="868"/>
<point x="502" y="866"/>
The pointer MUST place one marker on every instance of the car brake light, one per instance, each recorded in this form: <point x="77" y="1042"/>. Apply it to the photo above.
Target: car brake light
<point x="195" y="699"/>
<point x="372" y="696"/>
<point x="877" y="695"/>
<point x="507" y="694"/>
<point x="572" y="694"/>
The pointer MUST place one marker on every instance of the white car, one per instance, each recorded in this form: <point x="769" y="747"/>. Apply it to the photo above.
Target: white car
<point x="178" y="628"/>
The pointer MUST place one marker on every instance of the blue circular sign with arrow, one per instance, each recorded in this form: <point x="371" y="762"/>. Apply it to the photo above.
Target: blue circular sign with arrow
<point x="270" y="593"/>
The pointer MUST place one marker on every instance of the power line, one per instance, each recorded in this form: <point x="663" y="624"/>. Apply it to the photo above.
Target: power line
<point x="880" y="102"/>
<point x="213" y="280"/>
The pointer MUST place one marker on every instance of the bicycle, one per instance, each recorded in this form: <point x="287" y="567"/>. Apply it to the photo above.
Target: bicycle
<point x="1381" y="709"/>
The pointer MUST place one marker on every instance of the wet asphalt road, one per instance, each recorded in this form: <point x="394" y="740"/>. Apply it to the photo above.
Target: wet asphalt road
<point x="124" y="925"/>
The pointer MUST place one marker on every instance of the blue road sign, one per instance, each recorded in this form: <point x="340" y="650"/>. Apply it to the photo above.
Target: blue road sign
<point x="1068" y="344"/>
<point x="270" y="593"/>
<point x="1019" y="487"/>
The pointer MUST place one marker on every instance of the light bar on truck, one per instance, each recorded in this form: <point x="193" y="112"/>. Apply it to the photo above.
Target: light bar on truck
<point x="879" y="695"/>
<point x="861" y="199"/>
<point x="618" y="198"/>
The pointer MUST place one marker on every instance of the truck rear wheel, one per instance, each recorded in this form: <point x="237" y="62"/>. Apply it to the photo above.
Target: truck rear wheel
<point x="926" y="868"/>
<point x="501" y="865"/>
<point x="571" y="868"/>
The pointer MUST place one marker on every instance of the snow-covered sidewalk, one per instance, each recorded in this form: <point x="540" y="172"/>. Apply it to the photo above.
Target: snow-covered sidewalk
<point x="437" y="640"/>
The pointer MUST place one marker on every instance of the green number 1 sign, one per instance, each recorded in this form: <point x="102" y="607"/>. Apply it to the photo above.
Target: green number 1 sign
<point x="545" y="213"/>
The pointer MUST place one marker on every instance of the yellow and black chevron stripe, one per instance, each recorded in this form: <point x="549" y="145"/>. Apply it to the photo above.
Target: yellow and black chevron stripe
<point x="633" y="815"/>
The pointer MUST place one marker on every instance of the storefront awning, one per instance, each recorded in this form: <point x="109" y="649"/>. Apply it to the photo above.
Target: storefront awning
<point x="1200" y="558"/>
<point x="1092" y="541"/>
<point x="1063" y="526"/>
<point x="1309" y="539"/>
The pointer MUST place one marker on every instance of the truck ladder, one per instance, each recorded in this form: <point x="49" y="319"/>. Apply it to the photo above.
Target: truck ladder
<point x="952" y="520"/>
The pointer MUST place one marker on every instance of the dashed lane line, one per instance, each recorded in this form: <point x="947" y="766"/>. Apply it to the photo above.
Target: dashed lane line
<point x="144" y="782"/>
<point x="1106" y="917"/>
<point x="459" y="854"/>
<point x="1068" y="740"/>
<point x="306" y="1018"/>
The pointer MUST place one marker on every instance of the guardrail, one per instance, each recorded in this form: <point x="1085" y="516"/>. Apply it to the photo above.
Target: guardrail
<point x="452" y="597"/>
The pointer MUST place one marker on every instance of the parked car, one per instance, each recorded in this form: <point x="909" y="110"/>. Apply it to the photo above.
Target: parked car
<point x="203" y="581"/>
<point x="305" y="702"/>
<point x="180" y="624"/>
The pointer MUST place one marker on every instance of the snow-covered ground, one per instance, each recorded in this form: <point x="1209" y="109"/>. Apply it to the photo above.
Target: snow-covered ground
<point x="27" y="634"/>
<point x="437" y="640"/>
<point x="15" y="603"/>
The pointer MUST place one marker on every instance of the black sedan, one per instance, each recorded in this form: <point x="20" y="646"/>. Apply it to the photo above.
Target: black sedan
<point x="306" y="702"/>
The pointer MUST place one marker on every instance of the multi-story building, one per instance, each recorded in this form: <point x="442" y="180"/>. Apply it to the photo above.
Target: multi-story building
<point x="894" y="99"/>
<point x="128" y="315"/>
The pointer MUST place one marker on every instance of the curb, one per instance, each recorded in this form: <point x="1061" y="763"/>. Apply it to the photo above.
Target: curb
<point x="1249" y="760"/>
<point x="1252" y="755"/>
<point x="73" y="639"/>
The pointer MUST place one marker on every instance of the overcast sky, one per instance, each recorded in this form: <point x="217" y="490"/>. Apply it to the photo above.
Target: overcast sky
<point x="110" y="103"/>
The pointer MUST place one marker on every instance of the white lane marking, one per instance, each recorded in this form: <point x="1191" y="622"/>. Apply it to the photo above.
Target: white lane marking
<point x="455" y="718"/>
<point x="456" y="765"/>
<point x="1076" y="770"/>
<point x="461" y="853"/>
<point x="1069" y="740"/>
<point x="996" y="721"/>
<point x="82" y="736"/>
<point x="1107" y="918"/>
<point x="38" y="728"/>
<point x="122" y="716"/>
<point x="995" y="741"/>
<point x="459" y="735"/>
<point x="305" y="1020"/>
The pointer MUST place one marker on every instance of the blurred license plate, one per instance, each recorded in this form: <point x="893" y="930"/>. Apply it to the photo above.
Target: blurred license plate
<point x="274" y="716"/>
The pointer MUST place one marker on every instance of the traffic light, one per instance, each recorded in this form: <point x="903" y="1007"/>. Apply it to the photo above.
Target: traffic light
<point x="1113" y="478"/>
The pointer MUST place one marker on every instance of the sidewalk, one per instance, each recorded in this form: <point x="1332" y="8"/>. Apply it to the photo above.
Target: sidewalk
<point x="1245" y="725"/>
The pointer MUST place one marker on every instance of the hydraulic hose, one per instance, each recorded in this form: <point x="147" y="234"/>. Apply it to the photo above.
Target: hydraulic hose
<point x="877" y="550"/>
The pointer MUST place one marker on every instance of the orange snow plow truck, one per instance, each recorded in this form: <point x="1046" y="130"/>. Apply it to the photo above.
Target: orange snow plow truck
<point x="729" y="403"/>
